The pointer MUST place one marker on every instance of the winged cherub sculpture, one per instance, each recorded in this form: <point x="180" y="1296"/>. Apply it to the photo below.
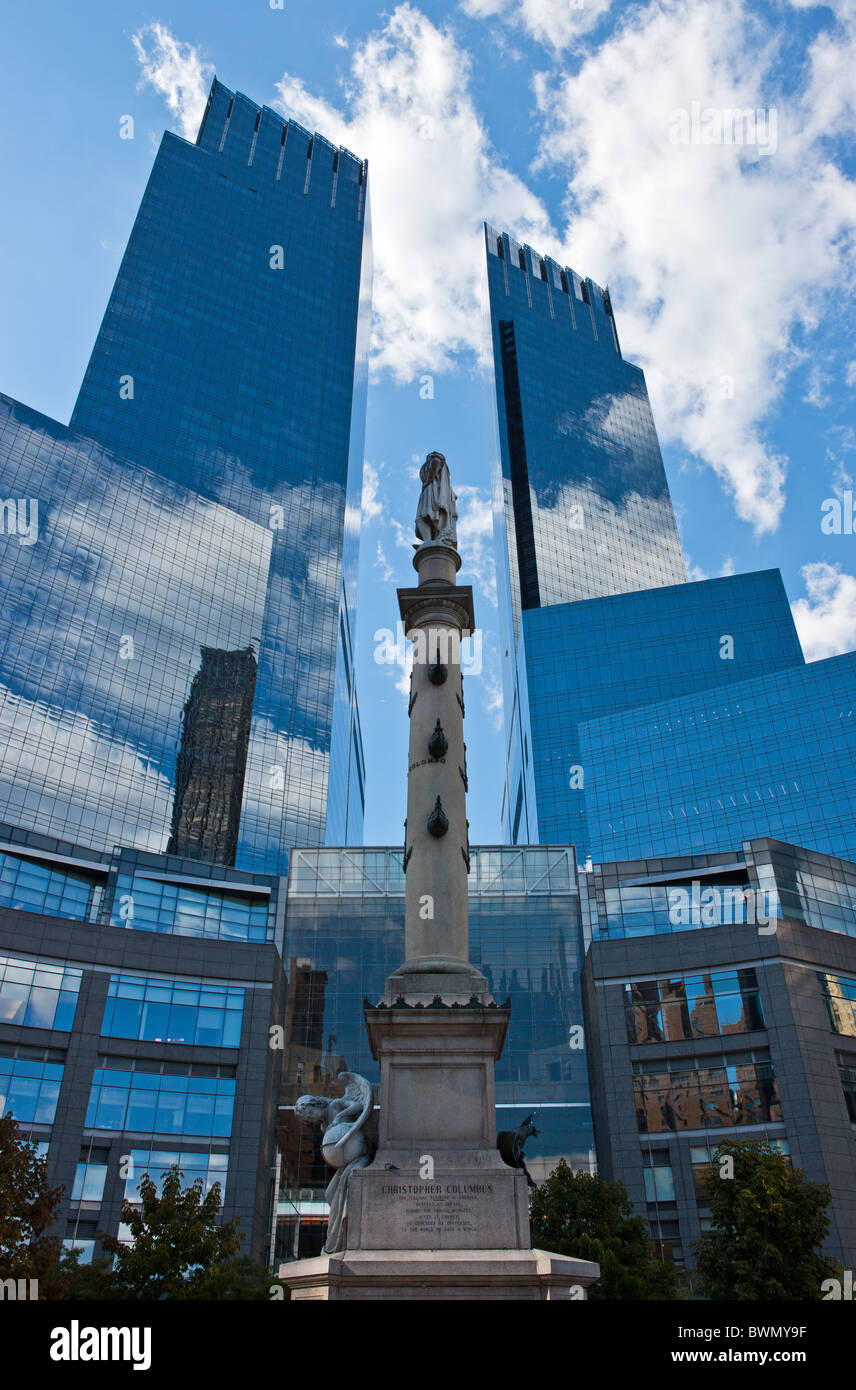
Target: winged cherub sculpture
<point x="347" y="1143"/>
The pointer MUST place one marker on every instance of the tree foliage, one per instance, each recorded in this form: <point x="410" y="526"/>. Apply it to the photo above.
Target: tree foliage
<point x="178" y="1249"/>
<point x="582" y="1214"/>
<point x="28" y="1206"/>
<point x="767" y="1224"/>
<point x="72" y="1279"/>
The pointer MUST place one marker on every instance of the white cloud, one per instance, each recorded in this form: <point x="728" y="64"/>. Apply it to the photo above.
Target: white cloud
<point x="372" y="507"/>
<point x="492" y="699"/>
<point x="717" y="256"/>
<point x="826" y="618"/>
<point x="381" y="563"/>
<point x="817" y="394"/>
<point x="405" y="537"/>
<point x="177" y="72"/>
<point x="556" y="23"/>
<point x="851" y="374"/>
<point x="433" y="178"/>
<point x="697" y="572"/>
<point x="842" y="443"/>
<point x="475" y="539"/>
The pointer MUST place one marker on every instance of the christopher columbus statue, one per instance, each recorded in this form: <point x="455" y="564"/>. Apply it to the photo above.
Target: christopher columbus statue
<point x="436" y="515"/>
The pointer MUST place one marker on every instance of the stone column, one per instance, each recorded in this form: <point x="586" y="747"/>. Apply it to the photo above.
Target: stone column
<point x="436" y="615"/>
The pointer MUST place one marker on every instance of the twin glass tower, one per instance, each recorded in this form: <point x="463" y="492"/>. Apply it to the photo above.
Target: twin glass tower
<point x="176" y="669"/>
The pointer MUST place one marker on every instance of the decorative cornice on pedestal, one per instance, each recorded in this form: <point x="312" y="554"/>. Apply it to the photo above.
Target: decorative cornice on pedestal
<point x="451" y="605"/>
<point x="436" y="1003"/>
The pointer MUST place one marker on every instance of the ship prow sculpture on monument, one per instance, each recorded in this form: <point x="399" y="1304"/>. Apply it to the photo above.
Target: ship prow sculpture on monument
<point x="437" y="1212"/>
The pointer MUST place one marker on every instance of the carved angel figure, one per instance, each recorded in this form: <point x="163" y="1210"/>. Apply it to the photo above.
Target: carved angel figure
<point x="347" y="1143"/>
<point x="436" y="515"/>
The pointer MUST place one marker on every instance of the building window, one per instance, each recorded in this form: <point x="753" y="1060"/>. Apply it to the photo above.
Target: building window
<point x="686" y="1095"/>
<point x="146" y="904"/>
<point x="33" y="887"/>
<point x="669" y="1251"/>
<point x="38" y="995"/>
<point x="840" y="995"/>
<point x="30" y="1090"/>
<point x="85" y="1249"/>
<point x="152" y="1103"/>
<point x="517" y="810"/>
<point x="693" y="1006"/>
<point x="209" y="1167"/>
<point x="659" y="1184"/>
<point x="89" y="1180"/>
<point x="848" y="1083"/>
<point x="156" y="1010"/>
<point x="701" y="1158"/>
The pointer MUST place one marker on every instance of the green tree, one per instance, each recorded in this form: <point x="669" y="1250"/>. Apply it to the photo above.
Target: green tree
<point x="178" y="1249"/>
<point x="255" y="1281"/>
<point x="27" y="1208"/>
<point x="69" y="1279"/>
<point x="767" y="1222"/>
<point x="582" y="1214"/>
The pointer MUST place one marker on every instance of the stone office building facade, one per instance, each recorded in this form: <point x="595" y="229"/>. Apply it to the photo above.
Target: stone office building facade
<point x="138" y="994"/>
<point x="698" y="1034"/>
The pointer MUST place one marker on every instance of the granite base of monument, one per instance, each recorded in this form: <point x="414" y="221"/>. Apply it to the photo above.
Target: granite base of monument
<point x="417" y="1275"/>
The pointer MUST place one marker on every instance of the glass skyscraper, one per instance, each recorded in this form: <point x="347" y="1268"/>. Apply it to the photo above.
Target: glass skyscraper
<point x="581" y="502"/>
<point x="644" y="715"/>
<point x="179" y="562"/>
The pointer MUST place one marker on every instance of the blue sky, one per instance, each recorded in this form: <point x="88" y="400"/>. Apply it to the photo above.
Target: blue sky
<point x="731" y="267"/>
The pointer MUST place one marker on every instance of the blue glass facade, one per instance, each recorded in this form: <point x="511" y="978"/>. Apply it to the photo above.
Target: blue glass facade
<point x="38" y="994"/>
<point x="776" y="882"/>
<point x="645" y="715"/>
<point x="180" y="562"/>
<point x="29" y="1089"/>
<point x="142" y="1101"/>
<point x="596" y="659"/>
<point x="769" y="756"/>
<point x="163" y="1010"/>
<point x="27" y="884"/>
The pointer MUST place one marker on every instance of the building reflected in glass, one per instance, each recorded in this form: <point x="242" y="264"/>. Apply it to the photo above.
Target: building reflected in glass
<point x="176" y="662"/>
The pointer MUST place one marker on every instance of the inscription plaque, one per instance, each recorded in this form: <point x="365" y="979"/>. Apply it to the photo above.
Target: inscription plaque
<point x="424" y="1207"/>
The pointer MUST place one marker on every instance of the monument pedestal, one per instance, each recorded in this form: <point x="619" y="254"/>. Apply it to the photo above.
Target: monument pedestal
<point x="438" y="1214"/>
<point x="417" y="1275"/>
<point x="437" y="1181"/>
